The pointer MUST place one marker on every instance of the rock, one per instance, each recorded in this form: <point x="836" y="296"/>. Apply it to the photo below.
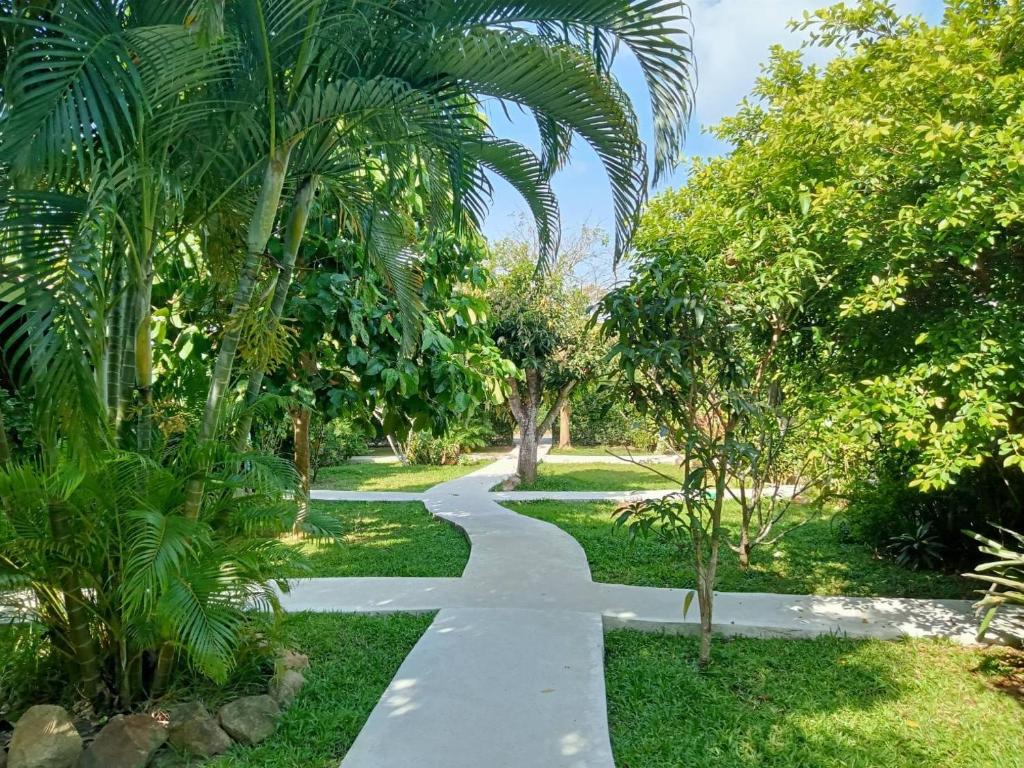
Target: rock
<point x="127" y="741"/>
<point x="44" y="737"/>
<point x="250" y="719"/>
<point x="286" y="686"/>
<point x="193" y="730"/>
<point x="511" y="483"/>
<point x="291" y="660"/>
<point x="3" y="758"/>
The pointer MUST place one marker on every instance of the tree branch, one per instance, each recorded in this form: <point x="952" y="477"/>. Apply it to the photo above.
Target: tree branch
<point x="548" y="420"/>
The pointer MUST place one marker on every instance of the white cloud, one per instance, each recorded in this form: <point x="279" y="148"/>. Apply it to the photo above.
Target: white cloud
<point x="732" y="39"/>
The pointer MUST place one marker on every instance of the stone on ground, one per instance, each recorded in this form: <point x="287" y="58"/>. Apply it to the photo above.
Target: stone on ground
<point x="44" y="737"/>
<point x="193" y="730"/>
<point x="286" y="686"/>
<point x="289" y="659"/>
<point x="250" y="719"/>
<point x="127" y="741"/>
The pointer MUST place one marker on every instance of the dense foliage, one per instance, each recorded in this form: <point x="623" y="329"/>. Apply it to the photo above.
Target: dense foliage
<point x="166" y="169"/>
<point x="874" y="208"/>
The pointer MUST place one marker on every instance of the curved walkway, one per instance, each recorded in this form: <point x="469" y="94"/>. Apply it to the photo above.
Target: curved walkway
<point x="511" y="672"/>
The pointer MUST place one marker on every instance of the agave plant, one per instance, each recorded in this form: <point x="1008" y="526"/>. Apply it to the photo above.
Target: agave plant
<point x="1004" y="574"/>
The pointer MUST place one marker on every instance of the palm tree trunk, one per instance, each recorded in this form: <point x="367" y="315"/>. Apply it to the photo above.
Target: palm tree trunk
<point x="300" y="432"/>
<point x="5" y="447"/>
<point x="80" y="638"/>
<point x="294" y="232"/>
<point x="144" y="360"/>
<point x="260" y="228"/>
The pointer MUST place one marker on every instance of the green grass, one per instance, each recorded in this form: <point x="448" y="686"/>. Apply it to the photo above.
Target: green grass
<point x="602" y="477"/>
<point x="387" y="539"/>
<point x="388" y="477"/>
<point x="810" y="704"/>
<point x="352" y="660"/>
<point x="599" y="450"/>
<point x="810" y="560"/>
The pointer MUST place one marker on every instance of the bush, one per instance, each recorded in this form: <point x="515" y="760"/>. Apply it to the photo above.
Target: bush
<point x="424" y="448"/>
<point x="885" y="512"/>
<point x="605" y="417"/>
<point x="335" y="442"/>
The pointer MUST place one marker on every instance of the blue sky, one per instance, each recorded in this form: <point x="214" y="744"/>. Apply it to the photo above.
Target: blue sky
<point x="731" y="40"/>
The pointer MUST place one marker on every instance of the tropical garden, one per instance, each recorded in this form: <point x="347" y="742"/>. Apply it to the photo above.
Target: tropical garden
<point x="241" y="243"/>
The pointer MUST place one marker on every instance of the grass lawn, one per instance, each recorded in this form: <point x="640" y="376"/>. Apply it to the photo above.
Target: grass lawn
<point x="811" y="560"/>
<point x="810" y="704"/>
<point x="599" y="450"/>
<point x="388" y="477"/>
<point x="352" y="660"/>
<point x="387" y="539"/>
<point x="602" y="477"/>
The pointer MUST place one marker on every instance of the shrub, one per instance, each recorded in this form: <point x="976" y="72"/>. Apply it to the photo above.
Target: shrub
<point x="606" y="417"/>
<point x="335" y="442"/>
<point x="884" y="510"/>
<point x="424" y="448"/>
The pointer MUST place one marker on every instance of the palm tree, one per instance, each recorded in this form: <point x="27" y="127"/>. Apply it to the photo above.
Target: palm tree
<point x="131" y="131"/>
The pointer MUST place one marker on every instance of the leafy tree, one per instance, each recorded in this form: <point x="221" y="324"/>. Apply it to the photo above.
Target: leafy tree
<point x="877" y="201"/>
<point x="154" y="153"/>
<point x="691" y="348"/>
<point x="540" y="323"/>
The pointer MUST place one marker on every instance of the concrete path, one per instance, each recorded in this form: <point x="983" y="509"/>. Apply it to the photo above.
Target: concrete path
<point x="511" y="672"/>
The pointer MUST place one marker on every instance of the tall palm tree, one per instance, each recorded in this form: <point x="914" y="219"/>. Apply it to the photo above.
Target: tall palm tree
<point x="133" y="129"/>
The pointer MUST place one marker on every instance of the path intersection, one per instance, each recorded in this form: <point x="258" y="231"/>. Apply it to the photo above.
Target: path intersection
<point x="510" y="673"/>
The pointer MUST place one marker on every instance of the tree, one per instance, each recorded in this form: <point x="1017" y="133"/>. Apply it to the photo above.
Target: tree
<point x="153" y="154"/>
<point x="887" y="186"/>
<point x="540" y="323"/>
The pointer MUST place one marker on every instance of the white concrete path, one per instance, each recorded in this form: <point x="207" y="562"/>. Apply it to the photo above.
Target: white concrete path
<point x="511" y="673"/>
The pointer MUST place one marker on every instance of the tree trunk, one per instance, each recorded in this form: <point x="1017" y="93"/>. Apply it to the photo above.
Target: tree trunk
<point x="300" y="432"/>
<point x="79" y="637"/>
<point x="564" y="437"/>
<point x="293" y="234"/>
<point x="260" y="228"/>
<point x="5" y="447"/>
<point x="743" y="548"/>
<point x="526" y="467"/>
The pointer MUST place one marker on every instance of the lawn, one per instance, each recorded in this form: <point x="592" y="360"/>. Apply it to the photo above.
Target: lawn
<point x="352" y="660"/>
<point x="388" y="477"/>
<point x="599" y="450"/>
<point x="387" y="539"/>
<point x="813" y="559"/>
<point x="810" y="704"/>
<point x="603" y="477"/>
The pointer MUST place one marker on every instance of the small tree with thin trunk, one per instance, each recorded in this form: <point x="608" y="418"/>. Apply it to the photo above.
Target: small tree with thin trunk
<point x="540" y="323"/>
<point x="691" y="353"/>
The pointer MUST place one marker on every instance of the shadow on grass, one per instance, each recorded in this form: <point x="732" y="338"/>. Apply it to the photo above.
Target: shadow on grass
<point x="809" y="703"/>
<point x="387" y="539"/>
<point x="603" y="477"/>
<point x="811" y="560"/>
<point x="388" y="477"/>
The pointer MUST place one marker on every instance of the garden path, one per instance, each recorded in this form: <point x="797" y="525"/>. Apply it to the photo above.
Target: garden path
<point x="511" y="672"/>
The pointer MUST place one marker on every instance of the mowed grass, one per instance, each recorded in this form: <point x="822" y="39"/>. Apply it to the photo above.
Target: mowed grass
<point x="386" y="539"/>
<point x="388" y="477"/>
<point x="811" y="560"/>
<point x="599" y="450"/>
<point x="352" y="660"/>
<point x="600" y="476"/>
<point x="820" y="703"/>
